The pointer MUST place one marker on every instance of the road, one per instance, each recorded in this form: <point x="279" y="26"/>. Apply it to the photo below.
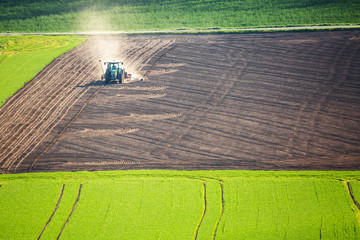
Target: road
<point x="195" y="30"/>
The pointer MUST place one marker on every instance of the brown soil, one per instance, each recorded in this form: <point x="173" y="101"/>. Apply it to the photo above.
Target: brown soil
<point x="274" y="101"/>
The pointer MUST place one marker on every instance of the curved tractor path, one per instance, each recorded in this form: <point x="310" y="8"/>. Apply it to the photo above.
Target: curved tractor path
<point x="274" y="101"/>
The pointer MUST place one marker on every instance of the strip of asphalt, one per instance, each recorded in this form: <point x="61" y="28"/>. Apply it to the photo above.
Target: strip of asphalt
<point x="193" y="30"/>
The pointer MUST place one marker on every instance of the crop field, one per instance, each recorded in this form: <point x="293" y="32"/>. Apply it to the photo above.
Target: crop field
<point x="117" y="15"/>
<point x="225" y="102"/>
<point x="180" y="205"/>
<point x="274" y="101"/>
<point x="23" y="57"/>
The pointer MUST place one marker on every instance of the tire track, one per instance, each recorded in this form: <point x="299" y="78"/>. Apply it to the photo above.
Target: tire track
<point x="204" y="211"/>
<point x="197" y="114"/>
<point x="222" y="209"/>
<point x="349" y="189"/>
<point x="329" y="90"/>
<point x="72" y="211"/>
<point x="325" y="86"/>
<point x="351" y="194"/>
<point x="53" y="213"/>
<point x="319" y="90"/>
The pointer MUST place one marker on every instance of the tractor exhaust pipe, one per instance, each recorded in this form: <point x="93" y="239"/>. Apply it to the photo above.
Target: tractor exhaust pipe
<point x="101" y="67"/>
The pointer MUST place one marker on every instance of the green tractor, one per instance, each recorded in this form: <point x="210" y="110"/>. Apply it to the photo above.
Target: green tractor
<point x="115" y="71"/>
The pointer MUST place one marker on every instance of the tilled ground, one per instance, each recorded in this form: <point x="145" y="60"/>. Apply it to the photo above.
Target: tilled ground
<point x="274" y="101"/>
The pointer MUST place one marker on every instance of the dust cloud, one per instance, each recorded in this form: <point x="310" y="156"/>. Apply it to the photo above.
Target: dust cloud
<point x="105" y="47"/>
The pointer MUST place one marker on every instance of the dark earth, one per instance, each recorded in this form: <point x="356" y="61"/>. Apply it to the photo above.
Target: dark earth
<point x="272" y="101"/>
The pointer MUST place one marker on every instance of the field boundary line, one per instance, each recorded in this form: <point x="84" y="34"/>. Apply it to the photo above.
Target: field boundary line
<point x="72" y="211"/>
<point x="204" y="211"/>
<point x="53" y="213"/>
<point x="222" y="209"/>
<point x="214" y="30"/>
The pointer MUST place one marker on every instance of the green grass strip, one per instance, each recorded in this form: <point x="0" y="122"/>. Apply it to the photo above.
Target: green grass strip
<point x="163" y="204"/>
<point x="219" y="175"/>
<point x="137" y="15"/>
<point x="22" y="57"/>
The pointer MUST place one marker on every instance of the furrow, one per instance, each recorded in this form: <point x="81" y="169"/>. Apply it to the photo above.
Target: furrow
<point x="66" y="127"/>
<point x="37" y="119"/>
<point x="40" y="120"/>
<point x="28" y="109"/>
<point x="63" y="130"/>
<point x="44" y="136"/>
<point x="31" y="92"/>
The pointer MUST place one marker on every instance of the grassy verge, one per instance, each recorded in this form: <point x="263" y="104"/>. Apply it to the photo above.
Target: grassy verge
<point x="239" y="31"/>
<point x="126" y="15"/>
<point x="22" y="57"/>
<point x="181" y="205"/>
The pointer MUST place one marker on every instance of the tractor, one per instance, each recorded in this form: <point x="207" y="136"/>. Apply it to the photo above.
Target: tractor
<point x="114" y="71"/>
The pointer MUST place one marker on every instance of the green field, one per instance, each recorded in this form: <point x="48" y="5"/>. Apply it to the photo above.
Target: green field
<point x="180" y="205"/>
<point x="128" y="15"/>
<point x="22" y="57"/>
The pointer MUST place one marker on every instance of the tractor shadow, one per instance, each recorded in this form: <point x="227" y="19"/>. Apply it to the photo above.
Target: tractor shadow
<point x="93" y="83"/>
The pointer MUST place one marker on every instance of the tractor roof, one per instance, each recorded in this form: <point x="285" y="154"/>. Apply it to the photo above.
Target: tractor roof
<point x="114" y="62"/>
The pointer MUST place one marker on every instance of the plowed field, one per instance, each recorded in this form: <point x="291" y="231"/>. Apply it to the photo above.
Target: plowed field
<point x="280" y="101"/>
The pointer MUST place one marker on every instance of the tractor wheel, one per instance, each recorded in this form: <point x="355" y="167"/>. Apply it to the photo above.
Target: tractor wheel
<point x="121" y="78"/>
